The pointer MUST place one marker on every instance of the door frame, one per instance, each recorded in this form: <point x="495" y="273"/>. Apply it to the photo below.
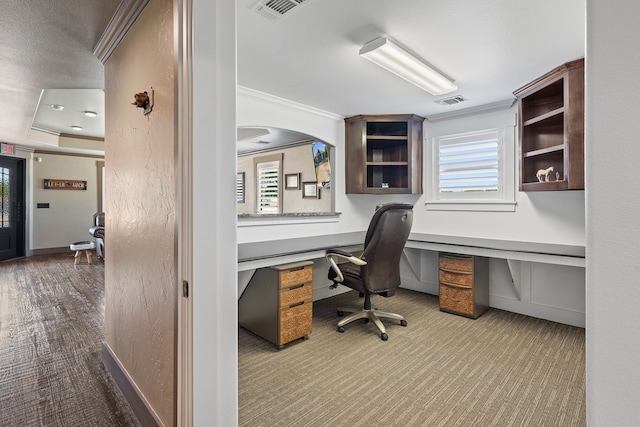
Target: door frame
<point x="19" y="167"/>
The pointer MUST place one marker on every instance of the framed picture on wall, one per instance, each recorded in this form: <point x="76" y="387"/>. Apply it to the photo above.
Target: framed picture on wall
<point x="310" y="190"/>
<point x="292" y="181"/>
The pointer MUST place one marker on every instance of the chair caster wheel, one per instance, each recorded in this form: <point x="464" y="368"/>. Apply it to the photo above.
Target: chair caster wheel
<point x="340" y="313"/>
<point x="340" y="329"/>
<point x="384" y="336"/>
<point x="403" y="323"/>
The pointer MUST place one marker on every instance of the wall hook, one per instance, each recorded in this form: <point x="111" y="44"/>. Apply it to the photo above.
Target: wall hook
<point x="143" y="101"/>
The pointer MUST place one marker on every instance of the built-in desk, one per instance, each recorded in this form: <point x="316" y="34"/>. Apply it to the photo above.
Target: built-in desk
<point x="264" y="254"/>
<point x="538" y="279"/>
<point x="548" y="253"/>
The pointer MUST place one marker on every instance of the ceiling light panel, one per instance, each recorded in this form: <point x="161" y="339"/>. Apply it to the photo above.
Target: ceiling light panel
<point x="395" y="59"/>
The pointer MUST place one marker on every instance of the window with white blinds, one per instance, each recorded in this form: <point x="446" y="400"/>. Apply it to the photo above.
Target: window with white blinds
<point x="473" y="171"/>
<point x="240" y="187"/>
<point x="469" y="164"/>
<point x="268" y="176"/>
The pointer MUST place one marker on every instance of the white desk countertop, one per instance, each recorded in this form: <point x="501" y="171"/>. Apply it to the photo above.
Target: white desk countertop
<point x="261" y="254"/>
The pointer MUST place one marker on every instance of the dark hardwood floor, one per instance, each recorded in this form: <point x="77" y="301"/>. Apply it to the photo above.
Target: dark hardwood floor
<point x="51" y="329"/>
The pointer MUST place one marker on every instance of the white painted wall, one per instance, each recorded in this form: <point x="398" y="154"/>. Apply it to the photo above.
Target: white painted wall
<point x="214" y="287"/>
<point x="70" y="212"/>
<point x="550" y="217"/>
<point x="612" y="206"/>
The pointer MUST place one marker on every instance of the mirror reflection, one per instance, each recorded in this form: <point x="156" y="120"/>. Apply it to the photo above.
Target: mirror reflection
<point x="282" y="172"/>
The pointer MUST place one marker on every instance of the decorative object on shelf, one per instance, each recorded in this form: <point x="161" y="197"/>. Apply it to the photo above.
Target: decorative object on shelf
<point x="143" y="101"/>
<point x="292" y="181"/>
<point x="310" y="190"/>
<point x="544" y="175"/>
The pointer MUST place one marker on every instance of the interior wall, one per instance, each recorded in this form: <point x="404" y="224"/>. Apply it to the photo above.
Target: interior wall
<point x="298" y="159"/>
<point x="70" y="212"/>
<point x="549" y="217"/>
<point x="140" y="207"/>
<point x="544" y="216"/>
<point x="213" y="214"/>
<point x="612" y="206"/>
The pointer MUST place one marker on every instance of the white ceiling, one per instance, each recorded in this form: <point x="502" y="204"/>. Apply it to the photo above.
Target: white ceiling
<point x="310" y="56"/>
<point x="74" y="103"/>
<point x="47" y="45"/>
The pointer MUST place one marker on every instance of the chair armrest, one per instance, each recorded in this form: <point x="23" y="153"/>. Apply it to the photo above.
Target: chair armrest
<point x="332" y="254"/>
<point x="97" y="231"/>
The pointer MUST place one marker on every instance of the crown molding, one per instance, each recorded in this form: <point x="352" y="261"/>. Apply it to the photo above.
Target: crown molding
<point x="120" y="23"/>
<point x="487" y="108"/>
<point x="243" y="90"/>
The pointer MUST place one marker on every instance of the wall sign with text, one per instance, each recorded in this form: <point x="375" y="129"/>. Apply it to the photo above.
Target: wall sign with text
<point x="64" y="184"/>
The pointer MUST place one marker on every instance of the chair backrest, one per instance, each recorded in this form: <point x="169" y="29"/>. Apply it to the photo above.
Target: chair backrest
<point x="387" y="234"/>
<point x="98" y="219"/>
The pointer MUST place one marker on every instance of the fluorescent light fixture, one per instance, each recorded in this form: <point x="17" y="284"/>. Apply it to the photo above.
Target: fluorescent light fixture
<point x="392" y="57"/>
<point x="78" y="128"/>
<point x="58" y="107"/>
<point x="90" y="113"/>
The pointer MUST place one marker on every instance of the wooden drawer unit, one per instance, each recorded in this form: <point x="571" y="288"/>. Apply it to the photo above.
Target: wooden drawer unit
<point x="464" y="284"/>
<point x="277" y="303"/>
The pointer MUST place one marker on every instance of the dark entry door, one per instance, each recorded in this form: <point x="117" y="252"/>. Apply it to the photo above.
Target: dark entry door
<point x="12" y="196"/>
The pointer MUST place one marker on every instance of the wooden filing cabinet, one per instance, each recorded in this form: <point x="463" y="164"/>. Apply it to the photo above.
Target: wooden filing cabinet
<point x="277" y="303"/>
<point x="464" y="284"/>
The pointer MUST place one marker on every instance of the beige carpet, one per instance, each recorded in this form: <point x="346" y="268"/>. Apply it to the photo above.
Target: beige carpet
<point x="502" y="369"/>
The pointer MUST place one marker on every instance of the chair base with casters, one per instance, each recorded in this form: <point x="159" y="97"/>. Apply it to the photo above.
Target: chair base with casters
<point x="377" y="270"/>
<point x="369" y="314"/>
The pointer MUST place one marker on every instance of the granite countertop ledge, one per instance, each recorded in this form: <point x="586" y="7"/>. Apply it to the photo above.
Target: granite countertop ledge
<point x="290" y="215"/>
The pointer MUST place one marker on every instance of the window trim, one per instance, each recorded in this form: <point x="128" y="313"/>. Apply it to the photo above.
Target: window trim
<point x="502" y="200"/>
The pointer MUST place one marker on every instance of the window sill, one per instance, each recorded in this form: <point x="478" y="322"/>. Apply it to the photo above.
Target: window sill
<point x="471" y="206"/>
<point x="252" y="220"/>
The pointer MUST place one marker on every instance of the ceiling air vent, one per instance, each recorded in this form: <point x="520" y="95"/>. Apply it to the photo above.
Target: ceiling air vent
<point x="277" y="9"/>
<point x="451" y="101"/>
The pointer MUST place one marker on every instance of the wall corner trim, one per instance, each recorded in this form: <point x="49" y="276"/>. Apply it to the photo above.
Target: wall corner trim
<point x="132" y="394"/>
<point x="122" y="20"/>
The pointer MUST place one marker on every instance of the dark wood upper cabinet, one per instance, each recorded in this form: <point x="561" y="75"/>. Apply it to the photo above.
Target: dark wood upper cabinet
<point x="551" y="130"/>
<point x="384" y="154"/>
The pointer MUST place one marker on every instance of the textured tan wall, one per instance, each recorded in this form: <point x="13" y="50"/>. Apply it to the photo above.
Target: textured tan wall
<point x="141" y="244"/>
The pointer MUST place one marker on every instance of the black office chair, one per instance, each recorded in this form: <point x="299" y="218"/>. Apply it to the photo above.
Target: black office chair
<point x="377" y="270"/>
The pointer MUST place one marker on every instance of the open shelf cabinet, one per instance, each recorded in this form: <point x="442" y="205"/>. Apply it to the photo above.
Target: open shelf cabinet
<point x="551" y="129"/>
<point x="384" y="154"/>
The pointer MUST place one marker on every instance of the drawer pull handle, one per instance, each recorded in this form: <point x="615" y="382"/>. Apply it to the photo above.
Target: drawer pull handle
<point x="450" y="270"/>
<point x="297" y="286"/>
<point x="296" y="269"/>
<point x="296" y="304"/>
<point x="455" y="285"/>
